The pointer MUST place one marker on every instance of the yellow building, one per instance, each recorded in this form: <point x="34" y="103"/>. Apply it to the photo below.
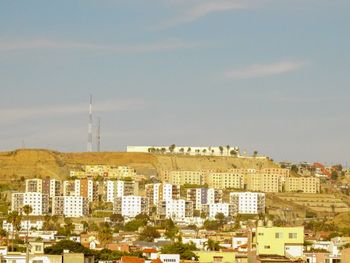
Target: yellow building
<point x="225" y="180"/>
<point x="215" y="256"/>
<point x="186" y="177"/>
<point x="309" y="185"/>
<point x="267" y="183"/>
<point x="282" y="241"/>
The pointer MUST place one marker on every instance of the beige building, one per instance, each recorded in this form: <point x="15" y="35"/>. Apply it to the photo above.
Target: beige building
<point x="225" y="180"/>
<point x="261" y="182"/>
<point x="187" y="177"/>
<point x="309" y="185"/>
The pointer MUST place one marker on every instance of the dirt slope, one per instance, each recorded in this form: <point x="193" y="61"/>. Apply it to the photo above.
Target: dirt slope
<point x="41" y="163"/>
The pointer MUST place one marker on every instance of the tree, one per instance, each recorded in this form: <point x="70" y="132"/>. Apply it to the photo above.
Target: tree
<point x="221" y="150"/>
<point x="171" y="229"/>
<point x="105" y="235"/>
<point x="294" y="168"/>
<point x="233" y="152"/>
<point x="212" y="245"/>
<point x="72" y="246"/>
<point x="221" y="218"/>
<point x="134" y="225"/>
<point x="149" y="233"/>
<point x="255" y="153"/>
<point x="188" y="150"/>
<point x="68" y="227"/>
<point x="211" y="225"/>
<point x="27" y="209"/>
<point x="334" y="175"/>
<point x="184" y="250"/>
<point x="15" y="219"/>
<point x="182" y="150"/>
<point x="117" y="218"/>
<point x="228" y="149"/>
<point x="172" y="148"/>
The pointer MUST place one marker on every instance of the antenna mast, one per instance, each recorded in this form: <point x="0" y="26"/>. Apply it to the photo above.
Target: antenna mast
<point x="89" y="143"/>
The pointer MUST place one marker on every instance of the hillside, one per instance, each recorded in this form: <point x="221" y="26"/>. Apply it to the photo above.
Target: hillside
<point x="29" y="163"/>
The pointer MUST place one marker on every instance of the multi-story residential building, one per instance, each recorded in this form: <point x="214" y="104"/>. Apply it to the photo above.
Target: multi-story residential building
<point x="186" y="177"/>
<point x="219" y="180"/>
<point x="68" y="188"/>
<point x="85" y="187"/>
<point x="278" y="171"/>
<point x="201" y="196"/>
<point x="281" y="241"/>
<point x="34" y="185"/>
<point x="248" y="202"/>
<point x="309" y="185"/>
<point x="70" y="206"/>
<point x="39" y="202"/>
<point x="55" y="188"/>
<point x="213" y="209"/>
<point x="161" y="192"/>
<point x="130" y="206"/>
<point x="263" y="182"/>
<point x="175" y="209"/>
<point x="114" y="189"/>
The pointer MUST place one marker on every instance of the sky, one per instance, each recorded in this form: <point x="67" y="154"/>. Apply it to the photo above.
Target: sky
<point x="265" y="75"/>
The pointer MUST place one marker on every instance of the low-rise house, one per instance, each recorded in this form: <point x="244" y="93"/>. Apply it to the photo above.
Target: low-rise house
<point x="215" y="256"/>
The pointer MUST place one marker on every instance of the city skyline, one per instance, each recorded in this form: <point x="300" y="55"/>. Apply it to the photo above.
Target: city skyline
<point x="268" y="75"/>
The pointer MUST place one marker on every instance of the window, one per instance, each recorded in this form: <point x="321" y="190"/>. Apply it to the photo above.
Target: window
<point x="278" y="235"/>
<point x="267" y="247"/>
<point x="292" y="235"/>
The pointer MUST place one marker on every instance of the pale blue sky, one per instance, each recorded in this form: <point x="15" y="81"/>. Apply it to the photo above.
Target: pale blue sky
<point x="271" y="75"/>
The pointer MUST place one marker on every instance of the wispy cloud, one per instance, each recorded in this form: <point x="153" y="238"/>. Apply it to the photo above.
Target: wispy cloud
<point x="264" y="70"/>
<point x="201" y="9"/>
<point x="35" y="112"/>
<point x="166" y="45"/>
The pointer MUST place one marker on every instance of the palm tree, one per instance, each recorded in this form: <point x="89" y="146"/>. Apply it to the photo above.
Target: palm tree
<point x="27" y="209"/>
<point x="212" y="245"/>
<point x="255" y="154"/>
<point x="15" y="219"/>
<point x="228" y="149"/>
<point x="188" y="150"/>
<point x="221" y="150"/>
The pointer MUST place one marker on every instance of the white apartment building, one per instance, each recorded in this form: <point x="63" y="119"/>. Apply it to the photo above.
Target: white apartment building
<point x="213" y="209"/>
<point x="38" y="202"/>
<point x="202" y="196"/>
<point x="114" y="189"/>
<point x="175" y="209"/>
<point x="70" y="206"/>
<point x="248" y="202"/>
<point x="55" y="188"/>
<point x="130" y="206"/>
<point x="161" y="192"/>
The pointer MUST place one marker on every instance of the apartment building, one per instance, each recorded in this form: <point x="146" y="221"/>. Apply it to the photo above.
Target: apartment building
<point x="225" y="180"/>
<point x="187" y="177"/>
<point x="281" y="241"/>
<point x="106" y="171"/>
<point x="201" y="196"/>
<point x="175" y="209"/>
<point x="38" y="201"/>
<point x="55" y="188"/>
<point x="161" y="192"/>
<point x="130" y="206"/>
<point x="264" y="182"/>
<point x="213" y="209"/>
<point x="70" y="206"/>
<point x="309" y="185"/>
<point x="85" y="187"/>
<point x="34" y="185"/>
<point x="114" y="189"/>
<point x="284" y="172"/>
<point x="248" y="202"/>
